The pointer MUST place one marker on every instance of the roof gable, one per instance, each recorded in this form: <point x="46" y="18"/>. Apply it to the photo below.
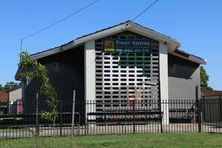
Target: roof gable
<point x="130" y="26"/>
<point x="126" y="26"/>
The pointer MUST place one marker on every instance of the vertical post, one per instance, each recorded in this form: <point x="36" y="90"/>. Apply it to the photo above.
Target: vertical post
<point x="134" y="130"/>
<point x="199" y="116"/>
<point x="220" y="118"/>
<point x="73" y="111"/>
<point x="203" y="109"/>
<point x="198" y="104"/>
<point x="60" y="117"/>
<point x="161" y="118"/>
<point x="37" y="115"/>
<point x="8" y="107"/>
<point x="160" y="110"/>
<point x="163" y="82"/>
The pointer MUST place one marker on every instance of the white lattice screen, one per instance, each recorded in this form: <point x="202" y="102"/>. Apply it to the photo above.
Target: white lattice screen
<point x="121" y="76"/>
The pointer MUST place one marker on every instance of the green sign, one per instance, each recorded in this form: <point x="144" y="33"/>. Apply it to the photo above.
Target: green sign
<point x="127" y="46"/>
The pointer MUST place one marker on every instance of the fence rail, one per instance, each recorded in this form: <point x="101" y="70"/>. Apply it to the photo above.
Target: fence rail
<point x="116" y="117"/>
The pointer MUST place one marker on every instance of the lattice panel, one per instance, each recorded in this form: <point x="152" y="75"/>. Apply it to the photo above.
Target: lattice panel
<point x="121" y="76"/>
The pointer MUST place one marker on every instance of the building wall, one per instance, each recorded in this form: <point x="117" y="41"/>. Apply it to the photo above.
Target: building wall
<point x="3" y="102"/>
<point x="15" y="95"/>
<point x="15" y="101"/>
<point x="66" y="73"/>
<point x="184" y="76"/>
<point x="3" y="96"/>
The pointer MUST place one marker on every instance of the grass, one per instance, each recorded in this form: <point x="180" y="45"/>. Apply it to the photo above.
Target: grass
<point x="190" y="140"/>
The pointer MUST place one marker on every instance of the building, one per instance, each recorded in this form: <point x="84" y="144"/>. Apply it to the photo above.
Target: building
<point x="118" y="63"/>
<point x="15" y="100"/>
<point x="3" y="96"/>
<point x="3" y="102"/>
<point x="208" y="92"/>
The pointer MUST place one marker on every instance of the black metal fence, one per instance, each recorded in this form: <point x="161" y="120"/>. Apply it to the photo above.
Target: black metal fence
<point x="115" y="117"/>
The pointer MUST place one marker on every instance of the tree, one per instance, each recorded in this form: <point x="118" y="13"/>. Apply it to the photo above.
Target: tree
<point x="8" y="86"/>
<point x="11" y="85"/>
<point x="2" y="88"/>
<point x="31" y="69"/>
<point x="204" y="78"/>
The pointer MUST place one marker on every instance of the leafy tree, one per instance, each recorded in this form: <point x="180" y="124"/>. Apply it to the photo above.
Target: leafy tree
<point x="31" y="69"/>
<point x="8" y="86"/>
<point x="11" y="85"/>
<point x="2" y="88"/>
<point x="204" y="78"/>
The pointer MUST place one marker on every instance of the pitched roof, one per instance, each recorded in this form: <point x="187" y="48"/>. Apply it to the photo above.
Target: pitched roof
<point x="185" y="55"/>
<point x="208" y="92"/>
<point x="125" y="26"/>
<point x="172" y="43"/>
<point x="3" y="96"/>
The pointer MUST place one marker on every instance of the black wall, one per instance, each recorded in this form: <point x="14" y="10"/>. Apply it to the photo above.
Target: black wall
<point x="178" y="67"/>
<point x="66" y="73"/>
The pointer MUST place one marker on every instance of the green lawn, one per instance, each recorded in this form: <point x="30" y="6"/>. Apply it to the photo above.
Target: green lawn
<point x="121" y="141"/>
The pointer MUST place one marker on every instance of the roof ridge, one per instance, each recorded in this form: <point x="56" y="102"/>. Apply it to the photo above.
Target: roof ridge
<point x="125" y="22"/>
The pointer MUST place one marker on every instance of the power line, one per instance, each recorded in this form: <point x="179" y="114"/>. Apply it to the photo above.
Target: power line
<point x="57" y="22"/>
<point x="148" y="7"/>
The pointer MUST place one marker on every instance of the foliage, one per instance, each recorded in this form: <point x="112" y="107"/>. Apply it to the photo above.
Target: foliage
<point x="31" y="69"/>
<point x="8" y="86"/>
<point x="204" y="78"/>
<point x="11" y="85"/>
<point x="2" y="88"/>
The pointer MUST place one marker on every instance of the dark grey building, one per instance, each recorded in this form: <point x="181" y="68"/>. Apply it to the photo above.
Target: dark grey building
<point x="118" y="63"/>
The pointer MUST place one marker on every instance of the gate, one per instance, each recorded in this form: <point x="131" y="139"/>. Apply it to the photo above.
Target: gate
<point x="117" y="118"/>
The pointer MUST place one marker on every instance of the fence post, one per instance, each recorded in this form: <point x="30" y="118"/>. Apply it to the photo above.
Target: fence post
<point x="60" y="108"/>
<point x="73" y="112"/>
<point x="203" y="109"/>
<point x="199" y="116"/>
<point x="198" y="103"/>
<point x="220" y="108"/>
<point x="37" y="115"/>
<point x="161" y="115"/>
<point x="134" y="130"/>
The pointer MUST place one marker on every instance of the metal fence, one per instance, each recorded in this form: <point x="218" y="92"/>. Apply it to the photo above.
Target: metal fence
<point x="115" y="117"/>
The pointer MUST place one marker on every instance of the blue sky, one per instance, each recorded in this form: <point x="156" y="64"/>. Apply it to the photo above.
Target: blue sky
<point x="196" y="24"/>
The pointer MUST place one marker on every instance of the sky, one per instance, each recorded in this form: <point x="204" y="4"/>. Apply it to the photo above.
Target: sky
<point x="196" y="24"/>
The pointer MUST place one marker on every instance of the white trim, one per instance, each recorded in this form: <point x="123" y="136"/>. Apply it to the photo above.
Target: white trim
<point x="90" y="74"/>
<point x="80" y="41"/>
<point x="190" y="58"/>
<point x="152" y="34"/>
<point x="164" y="81"/>
<point x="127" y="26"/>
<point x="90" y="70"/>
